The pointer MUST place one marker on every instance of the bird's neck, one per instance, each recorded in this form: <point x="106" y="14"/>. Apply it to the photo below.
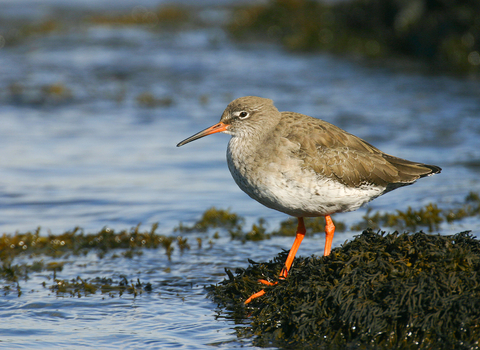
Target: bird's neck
<point x="248" y="145"/>
<point x="241" y="148"/>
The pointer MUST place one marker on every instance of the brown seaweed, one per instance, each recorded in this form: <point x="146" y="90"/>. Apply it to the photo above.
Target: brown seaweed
<point x="379" y="291"/>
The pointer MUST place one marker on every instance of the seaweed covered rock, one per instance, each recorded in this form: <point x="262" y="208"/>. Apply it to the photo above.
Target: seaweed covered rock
<point x="379" y="291"/>
<point x="444" y="34"/>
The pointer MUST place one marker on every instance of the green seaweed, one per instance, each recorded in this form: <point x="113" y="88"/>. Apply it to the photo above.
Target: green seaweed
<point x="234" y="224"/>
<point x="430" y="216"/>
<point x="312" y="225"/>
<point x="20" y="32"/>
<point x="443" y="34"/>
<point x="382" y="291"/>
<point x="169" y="15"/>
<point x="45" y="94"/>
<point x="213" y="218"/>
<point x="79" y="287"/>
<point x="148" y="100"/>
<point x="76" y="242"/>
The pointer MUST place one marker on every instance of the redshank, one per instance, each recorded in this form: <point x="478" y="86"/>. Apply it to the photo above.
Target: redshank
<point x="305" y="167"/>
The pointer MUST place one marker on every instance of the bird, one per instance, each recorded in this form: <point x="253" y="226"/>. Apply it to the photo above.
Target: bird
<point x="304" y="166"/>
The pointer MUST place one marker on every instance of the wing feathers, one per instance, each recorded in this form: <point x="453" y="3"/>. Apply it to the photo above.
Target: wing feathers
<point x="332" y="152"/>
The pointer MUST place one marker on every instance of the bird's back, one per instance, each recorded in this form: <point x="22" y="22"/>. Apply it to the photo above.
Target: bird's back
<point x="334" y="153"/>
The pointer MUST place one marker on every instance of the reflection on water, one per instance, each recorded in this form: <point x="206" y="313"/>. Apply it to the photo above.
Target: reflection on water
<point x="80" y="148"/>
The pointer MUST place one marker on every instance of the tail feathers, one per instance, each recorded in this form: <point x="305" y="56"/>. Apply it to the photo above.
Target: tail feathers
<point x="433" y="170"/>
<point x="409" y="172"/>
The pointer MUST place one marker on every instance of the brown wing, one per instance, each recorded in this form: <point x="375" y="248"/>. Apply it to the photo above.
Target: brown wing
<point x="333" y="152"/>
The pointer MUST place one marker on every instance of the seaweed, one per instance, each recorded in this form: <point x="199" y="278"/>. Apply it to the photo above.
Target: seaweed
<point x="443" y="34"/>
<point x="148" y="100"/>
<point x="130" y="243"/>
<point x="165" y="16"/>
<point x="312" y="225"/>
<point x="213" y="218"/>
<point x="381" y="291"/>
<point x="44" y="94"/>
<point x="430" y="216"/>
<point x="76" y="242"/>
<point x="79" y="287"/>
<point x="234" y="224"/>
<point x="22" y="31"/>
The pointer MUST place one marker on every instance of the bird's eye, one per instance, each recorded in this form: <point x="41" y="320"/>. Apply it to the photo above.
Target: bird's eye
<point x="243" y="115"/>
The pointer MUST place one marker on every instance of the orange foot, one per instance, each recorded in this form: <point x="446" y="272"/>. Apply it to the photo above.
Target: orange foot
<point x="329" y="231"/>
<point x="262" y="292"/>
<point x="288" y="263"/>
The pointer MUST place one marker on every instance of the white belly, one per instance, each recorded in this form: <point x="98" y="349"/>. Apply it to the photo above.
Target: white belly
<point x="287" y="187"/>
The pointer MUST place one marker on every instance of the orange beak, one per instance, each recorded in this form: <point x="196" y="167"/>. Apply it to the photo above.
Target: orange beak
<point x="208" y="131"/>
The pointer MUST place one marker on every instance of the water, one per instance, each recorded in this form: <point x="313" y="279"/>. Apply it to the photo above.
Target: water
<point x="92" y="156"/>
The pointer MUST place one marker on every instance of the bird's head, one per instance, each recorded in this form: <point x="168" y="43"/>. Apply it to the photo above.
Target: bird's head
<point x="244" y="116"/>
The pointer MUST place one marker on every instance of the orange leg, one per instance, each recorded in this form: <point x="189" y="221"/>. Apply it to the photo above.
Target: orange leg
<point x="288" y="263"/>
<point x="293" y="251"/>
<point x="329" y="231"/>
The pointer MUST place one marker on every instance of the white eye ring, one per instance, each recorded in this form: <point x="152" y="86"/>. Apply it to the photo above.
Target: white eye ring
<point x="243" y="115"/>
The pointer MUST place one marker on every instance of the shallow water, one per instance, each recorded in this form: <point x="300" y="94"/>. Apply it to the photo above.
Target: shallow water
<point x="92" y="156"/>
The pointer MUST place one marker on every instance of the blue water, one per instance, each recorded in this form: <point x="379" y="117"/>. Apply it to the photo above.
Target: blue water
<point x="94" y="157"/>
